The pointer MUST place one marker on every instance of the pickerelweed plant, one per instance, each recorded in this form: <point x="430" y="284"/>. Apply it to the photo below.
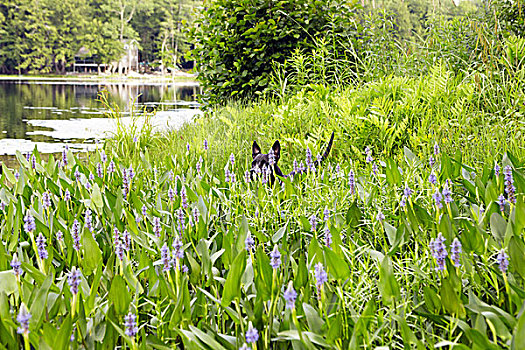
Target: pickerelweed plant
<point x="409" y="253"/>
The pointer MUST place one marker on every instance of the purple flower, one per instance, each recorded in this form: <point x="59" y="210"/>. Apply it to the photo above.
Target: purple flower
<point x="73" y="280"/>
<point x="455" y="251"/>
<point x="439" y="251"/>
<point x="313" y="222"/>
<point x="184" y="269"/>
<point x="33" y="162"/>
<point x="60" y="236"/>
<point x="16" y="266"/>
<point x="244" y="347"/>
<point x="187" y="147"/>
<point x="369" y="158"/>
<point x="87" y="220"/>
<point x="295" y="166"/>
<point x="75" y="233"/>
<point x="2" y="205"/>
<point x="88" y="185"/>
<point x="275" y="255"/>
<point x="432" y="178"/>
<point x="338" y="169"/>
<point x="126" y="238"/>
<point x="247" y="176"/>
<point x="183" y="198"/>
<point x="46" y="200"/>
<point x="407" y="192"/>
<point x="67" y="195"/>
<point x="131" y="173"/>
<point x="196" y="215"/>
<point x="103" y="156"/>
<point x="130" y="323"/>
<point x="438" y="198"/>
<point x="156" y="226"/>
<point x="403" y="202"/>
<point x="28" y="156"/>
<point x="17" y="175"/>
<point x="178" y="251"/>
<point x="431" y="161"/>
<point x="64" y="158"/>
<point x="100" y="172"/>
<point x="227" y="175"/>
<point x="326" y="214"/>
<point x="232" y="160"/>
<point x="125" y="181"/>
<point x="144" y="210"/>
<point x="29" y="223"/>
<point x="509" y="184"/>
<point x="251" y="334"/>
<point x="41" y="246"/>
<point x="497" y="169"/>
<point x="135" y="139"/>
<point x="289" y="296"/>
<point x="327" y="237"/>
<point x="119" y="249"/>
<point x="181" y="221"/>
<point x="351" y="181"/>
<point x="171" y="194"/>
<point x="249" y="242"/>
<point x="111" y="167"/>
<point x="205" y="145"/>
<point x="374" y="168"/>
<point x="264" y="177"/>
<point x="436" y="149"/>
<point x="501" y="201"/>
<point x="91" y="177"/>
<point x="271" y="158"/>
<point x="309" y="162"/>
<point x="320" y="276"/>
<point x="165" y="257"/>
<point x="503" y="260"/>
<point x="447" y="193"/>
<point x="23" y="318"/>
<point x="380" y="216"/>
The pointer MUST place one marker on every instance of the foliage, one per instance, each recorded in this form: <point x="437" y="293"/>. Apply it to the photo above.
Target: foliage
<point x="236" y="42"/>
<point x="510" y="14"/>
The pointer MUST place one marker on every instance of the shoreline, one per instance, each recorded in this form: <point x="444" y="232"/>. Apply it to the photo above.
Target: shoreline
<point x="82" y="78"/>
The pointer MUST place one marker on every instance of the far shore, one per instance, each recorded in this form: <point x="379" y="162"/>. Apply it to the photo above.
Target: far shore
<point x="114" y="78"/>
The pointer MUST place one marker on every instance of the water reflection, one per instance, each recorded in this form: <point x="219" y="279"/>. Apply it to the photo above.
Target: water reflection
<point x="23" y="103"/>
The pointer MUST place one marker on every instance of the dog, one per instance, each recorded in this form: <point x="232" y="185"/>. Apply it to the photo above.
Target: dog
<point x="262" y="163"/>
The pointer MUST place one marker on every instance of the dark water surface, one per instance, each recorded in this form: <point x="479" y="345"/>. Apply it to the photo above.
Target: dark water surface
<point x="50" y="114"/>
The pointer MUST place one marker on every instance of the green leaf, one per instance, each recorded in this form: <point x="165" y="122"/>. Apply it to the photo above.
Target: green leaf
<point x="451" y="301"/>
<point x="518" y="337"/>
<point x="388" y="285"/>
<point x="498" y="226"/>
<point x="393" y="176"/>
<point x="119" y="295"/>
<point x="336" y="265"/>
<point x="8" y="284"/>
<point x="92" y="254"/>
<point x="353" y="215"/>
<point x="232" y="286"/>
<point x="516" y="250"/>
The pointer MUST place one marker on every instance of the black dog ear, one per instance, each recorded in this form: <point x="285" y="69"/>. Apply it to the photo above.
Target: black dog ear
<point x="276" y="149"/>
<point x="256" y="150"/>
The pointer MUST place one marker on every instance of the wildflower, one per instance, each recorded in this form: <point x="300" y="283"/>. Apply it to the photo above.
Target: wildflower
<point x="431" y="161"/>
<point x="256" y="212"/>
<point x="509" y="184"/>
<point x="180" y="221"/>
<point x="320" y="276"/>
<point x="326" y="214"/>
<point x="135" y="139"/>
<point x="103" y="156"/>
<point x="178" y="251"/>
<point x="75" y="233"/>
<point x="407" y="192"/>
<point x="227" y="175"/>
<point x="100" y="173"/>
<point x="351" y="181"/>
<point x="17" y="175"/>
<point x="183" y="198"/>
<point x="439" y="251"/>
<point x="16" y="266"/>
<point x="184" y="269"/>
<point x="198" y="166"/>
<point x="205" y="145"/>
<point x="130" y="323"/>
<point x="244" y="347"/>
<point x="275" y="255"/>
<point x="165" y="257"/>
<point x="374" y="168"/>
<point x="232" y="160"/>
<point x="251" y="334"/>
<point x="23" y="318"/>
<point x="497" y="169"/>
<point x="41" y="246"/>
<point x="403" y="202"/>
<point x="271" y="159"/>
<point x="455" y="251"/>
<point x="67" y="195"/>
<point x="327" y="237"/>
<point x="119" y="250"/>
<point x="309" y="162"/>
<point x="87" y="221"/>
<point x="447" y="194"/>
<point x="432" y="178"/>
<point x="156" y="226"/>
<point x="144" y="210"/>
<point x="196" y="215"/>
<point x="2" y="205"/>
<point x="438" y="198"/>
<point x="501" y="201"/>
<point x="436" y="149"/>
<point x="29" y="223"/>
<point x="73" y="280"/>
<point x="187" y="147"/>
<point x="33" y="162"/>
<point x="503" y="260"/>
<point x="64" y="158"/>
<point x="380" y="216"/>
<point x="369" y="158"/>
<point x="46" y="200"/>
<point x="126" y="239"/>
<point x="111" y="167"/>
<point x="91" y="177"/>
<point x="88" y="186"/>
<point x="313" y="222"/>
<point x="131" y="173"/>
<point x="247" y="176"/>
<point x="264" y="178"/>
<point x="249" y="242"/>
<point x="295" y="166"/>
<point x="289" y="296"/>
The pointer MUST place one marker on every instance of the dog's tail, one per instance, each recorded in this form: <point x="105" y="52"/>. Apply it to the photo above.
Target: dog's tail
<point x="327" y="151"/>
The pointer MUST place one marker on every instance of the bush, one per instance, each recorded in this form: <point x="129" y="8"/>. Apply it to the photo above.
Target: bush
<point x="236" y="42"/>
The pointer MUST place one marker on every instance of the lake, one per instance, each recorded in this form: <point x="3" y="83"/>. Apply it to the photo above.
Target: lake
<point x="52" y="113"/>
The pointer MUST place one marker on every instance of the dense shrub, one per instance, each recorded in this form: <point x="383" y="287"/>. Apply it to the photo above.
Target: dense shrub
<point x="236" y="42"/>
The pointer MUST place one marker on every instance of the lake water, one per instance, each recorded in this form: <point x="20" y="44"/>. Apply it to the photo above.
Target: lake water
<point x="50" y="114"/>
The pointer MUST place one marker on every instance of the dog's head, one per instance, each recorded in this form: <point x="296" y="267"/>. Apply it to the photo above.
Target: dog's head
<point x="263" y="161"/>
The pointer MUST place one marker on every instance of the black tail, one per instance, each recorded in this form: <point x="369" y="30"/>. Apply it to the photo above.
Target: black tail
<point x="327" y="151"/>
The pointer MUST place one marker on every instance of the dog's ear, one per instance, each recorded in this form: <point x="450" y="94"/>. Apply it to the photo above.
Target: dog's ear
<point x="256" y="150"/>
<point x="276" y="149"/>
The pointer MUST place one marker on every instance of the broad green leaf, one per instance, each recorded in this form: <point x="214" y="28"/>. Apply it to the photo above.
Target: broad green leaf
<point x="232" y="286"/>
<point x="119" y="295"/>
<point x="92" y="254"/>
<point x="388" y="285"/>
<point x="336" y="265"/>
<point x="8" y="284"/>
